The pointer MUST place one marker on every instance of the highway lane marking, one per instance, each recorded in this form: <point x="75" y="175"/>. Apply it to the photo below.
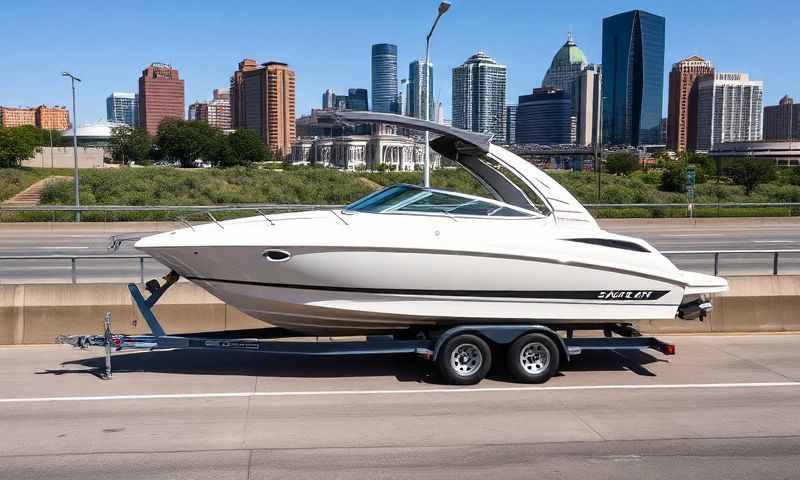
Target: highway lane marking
<point x="322" y="393"/>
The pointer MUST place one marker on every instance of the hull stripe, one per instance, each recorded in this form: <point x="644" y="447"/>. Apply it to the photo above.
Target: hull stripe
<point x="601" y="295"/>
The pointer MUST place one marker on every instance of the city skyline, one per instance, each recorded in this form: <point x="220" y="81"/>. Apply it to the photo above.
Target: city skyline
<point x="341" y="60"/>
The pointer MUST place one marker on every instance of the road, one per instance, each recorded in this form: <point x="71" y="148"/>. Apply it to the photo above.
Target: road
<point x="724" y="407"/>
<point x="93" y="238"/>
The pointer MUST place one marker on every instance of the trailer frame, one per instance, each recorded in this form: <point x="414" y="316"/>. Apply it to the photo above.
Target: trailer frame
<point x="271" y="340"/>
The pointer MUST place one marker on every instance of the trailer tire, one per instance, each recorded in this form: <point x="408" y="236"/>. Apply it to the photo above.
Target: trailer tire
<point x="464" y="360"/>
<point x="533" y="358"/>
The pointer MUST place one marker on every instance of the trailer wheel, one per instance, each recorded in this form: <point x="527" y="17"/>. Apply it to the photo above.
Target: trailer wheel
<point x="464" y="360"/>
<point x="533" y="358"/>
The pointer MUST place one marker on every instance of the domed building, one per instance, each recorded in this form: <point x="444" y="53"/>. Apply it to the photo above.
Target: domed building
<point x="96" y="134"/>
<point x="568" y="63"/>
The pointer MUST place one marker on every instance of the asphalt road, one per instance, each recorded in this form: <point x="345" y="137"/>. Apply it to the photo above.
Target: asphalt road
<point x="724" y="407"/>
<point x="91" y="239"/>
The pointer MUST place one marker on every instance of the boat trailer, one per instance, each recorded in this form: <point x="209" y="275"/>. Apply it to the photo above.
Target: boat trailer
<point x="428" y="345"/>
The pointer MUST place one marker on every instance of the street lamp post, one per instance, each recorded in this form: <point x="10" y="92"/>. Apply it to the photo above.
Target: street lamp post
<point x="50" y="131"/>
<point x="443" y="7"/>
<point x="598" y="146"/>
<point x="73" y="78"/>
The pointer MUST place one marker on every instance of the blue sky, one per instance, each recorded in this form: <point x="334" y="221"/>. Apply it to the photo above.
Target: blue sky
<point x="108" y="43"/>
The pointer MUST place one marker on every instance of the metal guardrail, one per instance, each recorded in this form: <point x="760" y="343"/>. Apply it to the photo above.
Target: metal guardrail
<point x="166" y="208"/>
<point x="775" y="254"/>
<point x="74" y="261"/>
<point x="141" y="258"/>
<point x="301" y="206"/>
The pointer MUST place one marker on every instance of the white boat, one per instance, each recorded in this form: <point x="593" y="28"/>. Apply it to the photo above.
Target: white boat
<point x="411" y="258"/>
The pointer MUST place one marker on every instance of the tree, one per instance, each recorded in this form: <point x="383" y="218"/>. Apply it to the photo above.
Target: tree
<point x="242" y="147"/>
<point x="673" y="178"/>
<point x="749" y="172"/>
<point x="189" y="141"/>
<point x="622" y="163"/>
<point x="18" y="144"/>
<point x="131" y="144"/>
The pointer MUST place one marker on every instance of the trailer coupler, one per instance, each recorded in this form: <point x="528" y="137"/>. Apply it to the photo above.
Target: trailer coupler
<point x="106" y="340"/>
<point x="109" y="341"/>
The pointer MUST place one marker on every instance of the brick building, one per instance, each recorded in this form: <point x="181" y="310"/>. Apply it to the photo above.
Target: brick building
<point x="262" y="98"/>
<point x="160" y="96"/>
<point x="682" y="107"/>
<point x="50" y="118"/>
<point x="17" y="117"/>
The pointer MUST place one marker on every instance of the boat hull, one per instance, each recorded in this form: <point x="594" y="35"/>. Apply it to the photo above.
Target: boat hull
<point x="361" y="290"/>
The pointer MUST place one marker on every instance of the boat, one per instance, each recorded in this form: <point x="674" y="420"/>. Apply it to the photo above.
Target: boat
<point x="413" y="259"/>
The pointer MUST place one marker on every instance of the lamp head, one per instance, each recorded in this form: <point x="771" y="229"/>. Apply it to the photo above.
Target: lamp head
<point x="443" y="7"/>
<point x="67" y="74"/>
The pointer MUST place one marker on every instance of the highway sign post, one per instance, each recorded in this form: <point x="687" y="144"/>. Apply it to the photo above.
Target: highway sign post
<point x="690" y="177"/>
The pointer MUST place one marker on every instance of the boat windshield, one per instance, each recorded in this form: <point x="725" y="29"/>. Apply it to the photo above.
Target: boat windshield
<point x="414" y="199"/>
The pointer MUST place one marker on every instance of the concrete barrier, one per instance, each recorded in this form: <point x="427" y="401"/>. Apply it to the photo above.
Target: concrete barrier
<point x="31" y="314"/>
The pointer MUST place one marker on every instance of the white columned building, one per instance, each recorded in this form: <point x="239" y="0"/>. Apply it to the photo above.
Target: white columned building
<point x="363" y="152"/>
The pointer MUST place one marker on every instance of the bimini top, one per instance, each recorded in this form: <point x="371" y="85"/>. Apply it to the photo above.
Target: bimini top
<point x="506" y="176"/>
<point x="479" y="140"/>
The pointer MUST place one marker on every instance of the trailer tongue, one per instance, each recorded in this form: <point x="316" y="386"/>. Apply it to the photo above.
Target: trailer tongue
<point x="462" y="353"/>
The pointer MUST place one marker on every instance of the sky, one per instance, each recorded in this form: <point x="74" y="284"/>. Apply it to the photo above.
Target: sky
<point x="107" y="43"/>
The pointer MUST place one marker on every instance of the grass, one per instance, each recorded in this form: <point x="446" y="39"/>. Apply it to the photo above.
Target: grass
<point x="15" y="180"/>
<point x="305" y="185"/>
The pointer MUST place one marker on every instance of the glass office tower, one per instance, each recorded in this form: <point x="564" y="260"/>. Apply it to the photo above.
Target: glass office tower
<point x="357" y="99"/>
<point x="417" y="86"/>
<point x="633" y="78"/>
<point x="384" y="77"/>
<point x="123" y="107"/>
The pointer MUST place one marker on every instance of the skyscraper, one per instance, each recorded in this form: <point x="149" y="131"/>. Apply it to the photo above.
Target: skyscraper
<point x="357" y="99"/>
<point x="420" y="82"/>
<point x="567" y="64"/>
<point x="586" y="104"/>
<point x="439" y="117"/>
<point x="219" y="109"/>
<point x="682" y="103"/>
<point x="479" y="96"/>
<point x="384" y="77"/>
<point x="511" y="124"/>
<point x="263" y="99"/>
<point x="122" y="107"/>
<point x="782" y="121"/>
<point x="402" y="101"/>
<point x="544" y="117"/>
<point x="729" y="108"/>
<point x="633" y="77"/>
<point x="198" y="112"/>
<point x="160" y="96"/>
<point x="328" y="99"/>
